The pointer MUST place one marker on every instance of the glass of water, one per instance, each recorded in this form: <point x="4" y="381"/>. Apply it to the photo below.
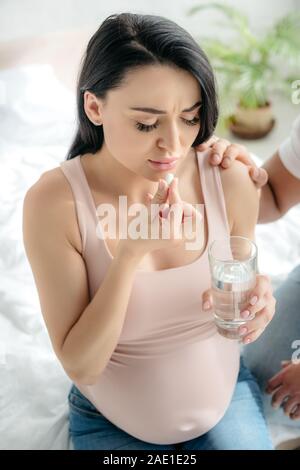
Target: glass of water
<point x="233" y="267"/>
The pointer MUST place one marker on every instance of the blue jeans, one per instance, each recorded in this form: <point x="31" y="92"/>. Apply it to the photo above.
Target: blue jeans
<point x="263" y="357"/>
<point x="242" y="427"/>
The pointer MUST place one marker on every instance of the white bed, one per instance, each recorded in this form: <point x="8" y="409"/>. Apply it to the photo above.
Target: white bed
<point x="37" y="115"/>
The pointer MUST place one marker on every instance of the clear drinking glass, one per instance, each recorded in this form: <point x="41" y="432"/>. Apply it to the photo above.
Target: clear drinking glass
<point x="233" y="267"/>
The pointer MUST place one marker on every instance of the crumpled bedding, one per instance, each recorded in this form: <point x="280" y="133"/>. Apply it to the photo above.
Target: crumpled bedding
<point x="37" y="115"/>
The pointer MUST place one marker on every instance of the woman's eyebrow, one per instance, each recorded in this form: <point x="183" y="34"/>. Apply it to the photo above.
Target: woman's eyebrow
<point x="159" y="111"/>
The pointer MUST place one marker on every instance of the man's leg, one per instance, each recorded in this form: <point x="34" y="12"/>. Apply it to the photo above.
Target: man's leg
<point x="264" y="356"/>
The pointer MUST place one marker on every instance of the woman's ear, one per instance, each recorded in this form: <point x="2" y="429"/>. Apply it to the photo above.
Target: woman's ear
<point x="93" y="108"/>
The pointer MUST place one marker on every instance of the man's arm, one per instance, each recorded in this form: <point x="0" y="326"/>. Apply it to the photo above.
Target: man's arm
<point x="281" y="172"/>
<point x="280" y="193"/>
<point x="241" y="199"/>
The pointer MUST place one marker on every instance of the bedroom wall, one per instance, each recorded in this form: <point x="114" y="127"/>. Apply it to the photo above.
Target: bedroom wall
<point x="19" y="18"/>
<point x="56" y="32"/>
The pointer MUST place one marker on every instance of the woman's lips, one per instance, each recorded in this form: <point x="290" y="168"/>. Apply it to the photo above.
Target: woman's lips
<point x="164" y="165"/>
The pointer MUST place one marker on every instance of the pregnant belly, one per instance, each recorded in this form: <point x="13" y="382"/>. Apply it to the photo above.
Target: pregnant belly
<point x="172" y="398"/>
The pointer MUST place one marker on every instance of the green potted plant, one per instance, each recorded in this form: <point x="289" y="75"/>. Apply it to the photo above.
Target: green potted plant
<point x="251" y="68"/>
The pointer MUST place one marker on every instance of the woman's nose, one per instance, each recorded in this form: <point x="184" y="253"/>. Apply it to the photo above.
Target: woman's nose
<point x="170" y="140"/>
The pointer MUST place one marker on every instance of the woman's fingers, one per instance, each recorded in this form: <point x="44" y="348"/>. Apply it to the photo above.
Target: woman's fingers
<point x="207" y="300"/>
<point x="149" y="197"/>
<point x="261" y="295"/>
<point x="174" y="196"/>
<point x="252" y="336"/>
<point x="175" y="201"/>
<point x="159" y="199"/>
<point x="161" y="194"/>
<point x="252" y="310"/>
<point x="262" y="286"/>
<point x="175" y="217"/>
<point x="261" y="313"/>
<point x="260" y="310"/>
<point x="254" y="328"/>
<point x="164" y="211"/>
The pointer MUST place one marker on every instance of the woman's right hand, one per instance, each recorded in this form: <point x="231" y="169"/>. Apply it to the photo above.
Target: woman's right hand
<point x="160" y="215"/>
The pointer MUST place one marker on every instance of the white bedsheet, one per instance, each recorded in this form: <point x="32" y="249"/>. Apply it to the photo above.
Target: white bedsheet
<point x="37" y="124"/>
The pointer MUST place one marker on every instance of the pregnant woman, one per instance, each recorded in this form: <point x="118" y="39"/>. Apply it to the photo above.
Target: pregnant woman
<point x="124" y="313"/>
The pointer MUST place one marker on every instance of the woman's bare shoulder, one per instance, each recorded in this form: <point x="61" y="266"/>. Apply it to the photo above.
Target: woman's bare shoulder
<point x="236" y="181"/>
<point x="51" y="196"/>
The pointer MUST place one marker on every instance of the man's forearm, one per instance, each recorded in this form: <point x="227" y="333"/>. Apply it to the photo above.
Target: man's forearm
<point x="268" y="209"/>
<point x="280" y="194"/>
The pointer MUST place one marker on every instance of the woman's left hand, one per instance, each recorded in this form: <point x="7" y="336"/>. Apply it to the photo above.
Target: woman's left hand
<point x="262" y="305"/>
<point x="285" y="389"/>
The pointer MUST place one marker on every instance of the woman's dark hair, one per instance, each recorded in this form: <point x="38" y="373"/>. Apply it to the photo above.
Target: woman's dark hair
<point x="126" y="41"/>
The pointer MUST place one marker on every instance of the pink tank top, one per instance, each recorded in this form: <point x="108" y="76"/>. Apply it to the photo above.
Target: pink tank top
<point x="171" y="376"/>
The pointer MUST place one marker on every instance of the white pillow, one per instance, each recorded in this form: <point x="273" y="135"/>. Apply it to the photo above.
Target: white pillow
<point x="35" y="108"/>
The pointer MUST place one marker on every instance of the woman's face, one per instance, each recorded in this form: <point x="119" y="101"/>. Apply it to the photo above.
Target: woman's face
<point x="167" y="128"/>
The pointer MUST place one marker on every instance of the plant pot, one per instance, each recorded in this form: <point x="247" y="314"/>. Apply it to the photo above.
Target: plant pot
<point x="252" y="123"/>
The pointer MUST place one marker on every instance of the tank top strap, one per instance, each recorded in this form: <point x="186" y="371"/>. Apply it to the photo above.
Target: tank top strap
<point x="214" y="199"/>
<point x="84" y="204"/>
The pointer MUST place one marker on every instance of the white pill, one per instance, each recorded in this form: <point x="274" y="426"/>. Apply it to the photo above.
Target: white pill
<point x="169" y="178"/>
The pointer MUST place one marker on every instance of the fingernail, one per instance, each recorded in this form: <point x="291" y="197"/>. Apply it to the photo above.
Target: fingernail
<point x="245" y="314"/>
<point x="206" y="305"/>
<point x="243" y="330"/>
<point x="216" y="158"/>
<point x="254" y="300"/>
<point x="255" y="173"/>
<point x="247" y="341"/>
<point x="174" y="184"/>
<point x="165" y="212"/>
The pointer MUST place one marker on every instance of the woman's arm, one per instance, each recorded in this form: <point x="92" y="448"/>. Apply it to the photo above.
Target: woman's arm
<point x="83" y="334"/>
<point x="242" y="205"/>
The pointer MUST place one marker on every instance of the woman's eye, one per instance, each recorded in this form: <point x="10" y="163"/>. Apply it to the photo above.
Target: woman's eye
<point x="191" y="122"/>
<point x="147" y="128"/>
